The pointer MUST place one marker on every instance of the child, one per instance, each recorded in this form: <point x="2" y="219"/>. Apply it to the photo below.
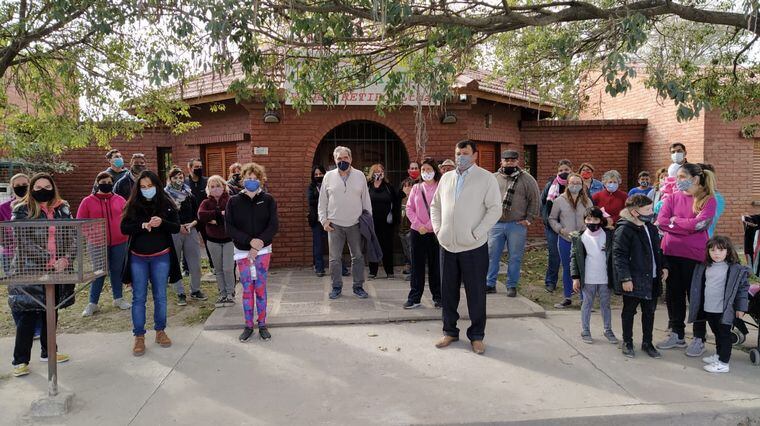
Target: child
<point x="643" y="187"/>
<point x="591" y="269"/>
<point x="719" y="289"/>
<point x="637" y="260"/>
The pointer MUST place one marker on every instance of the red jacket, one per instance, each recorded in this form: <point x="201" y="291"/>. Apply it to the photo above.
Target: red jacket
<point x="108" y="207"/>
<point x="211" y="209"/>
<point x="612" y="202"/>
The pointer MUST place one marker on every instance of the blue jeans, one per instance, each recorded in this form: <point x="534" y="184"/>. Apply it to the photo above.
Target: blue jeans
<point x="115" y="262"/>
<point x="552" y="268"/>
<point x="564" y="247"/>
<point x="155" y="268"/>
<point x="514" y="236"/>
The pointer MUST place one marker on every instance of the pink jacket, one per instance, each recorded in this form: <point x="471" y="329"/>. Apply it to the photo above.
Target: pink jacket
<point x="416" y="211"/>
<point x="687" y="236"/>
<point x="108" y="207"/>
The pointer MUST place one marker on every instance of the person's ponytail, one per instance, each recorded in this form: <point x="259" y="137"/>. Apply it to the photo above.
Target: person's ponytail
<point x="707" y="183"/>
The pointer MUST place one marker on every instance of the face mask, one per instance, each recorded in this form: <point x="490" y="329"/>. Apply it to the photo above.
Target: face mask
<point x="378" y="176"/>
<point x="236" y="177"/>
<point x="137" y="169"/>
<point x="646" y="217"/>
<point x="677" y="157"/>
<point x="251" y="185"/>
<point x="414" y="174"/>
<point x="20" y="190"/>
<point x="612" y="187"/>
<point x="176" y="185"/>
<point x="43" y="195"/>
<point x="593" y="227"/>
<point x="508" y="170"/>
<point x="105" y="187"/>
<point x="148" y="193"/>
<point x="216" y="192"/>
<point x="684" y="185"/>
<point x="343" y="165"/>
<point x="428" y="176"/>
<point x="118" y="163"/>
<point x="198" y="172"/>
<point x="464" y="162"/>
<point x="319" y="179"/>
<point x="643" y="183"/>
<point x="574" y="189"/>
<point x="587" y="175"/>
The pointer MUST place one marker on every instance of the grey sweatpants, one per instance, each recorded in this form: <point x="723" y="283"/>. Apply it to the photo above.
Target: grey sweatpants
<point x="589" y="294"/>
<point x="336" y="240"/>
<point x="224" y="266"/>
<point x="190" y="246"/>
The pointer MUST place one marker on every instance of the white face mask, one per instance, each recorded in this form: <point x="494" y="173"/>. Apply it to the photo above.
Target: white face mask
<point x="677" y="157"/>
<point x="428" y="176"/>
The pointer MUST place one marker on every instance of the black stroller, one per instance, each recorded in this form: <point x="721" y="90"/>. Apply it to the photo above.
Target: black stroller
<point x="739" y="331"/>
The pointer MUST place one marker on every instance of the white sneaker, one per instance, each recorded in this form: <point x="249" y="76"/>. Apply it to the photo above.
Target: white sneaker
<point x="90" y="309"/>
<point x="122" y="304"/>
<point x="710" y="359"/>
<point x="716" y="367"/>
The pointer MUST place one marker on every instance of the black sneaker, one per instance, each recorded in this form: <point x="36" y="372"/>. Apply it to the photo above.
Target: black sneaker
<point x="360" y="293"/>
<point x="246" y="334"/>
<point x="549" y="290"/>
<point x="321" y="274"/>
<point x="335" y="293"/>
<point x="511" y="292"/>
<point x="372" y="276"/>
<point x="181" y="300"/>
<point x="408" y="278"/>
<point x="564" y="304"/>
<point x="229" y="301"/>
<point x="220" y="302"/>
<point x="411" y="305"/>
<point x="628" y="350"/>
<point x="437" y="304"/>
<point x="490" y="290"/>
<point x="346" y="273"/>
<point x="264" y="333"/>
<point x="198" y="295"/>
<point x="651" y="350"/>
<point x="391" y="277"/>
<point x="406" y="271"/>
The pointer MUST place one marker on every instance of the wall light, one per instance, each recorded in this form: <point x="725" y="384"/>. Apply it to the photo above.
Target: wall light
<point x="448" y="118"/>
<point x="271" y="117"/>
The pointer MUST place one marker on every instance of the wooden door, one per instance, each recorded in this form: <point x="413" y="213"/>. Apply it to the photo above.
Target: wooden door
<point x="219" y="158"/>
<point x="487" y="156"/>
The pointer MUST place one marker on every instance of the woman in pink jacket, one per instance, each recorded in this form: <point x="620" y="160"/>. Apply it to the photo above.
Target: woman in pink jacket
<point x="104" y="204"/>
<point x="423" y="241"/>
<point x="684" y="219"/>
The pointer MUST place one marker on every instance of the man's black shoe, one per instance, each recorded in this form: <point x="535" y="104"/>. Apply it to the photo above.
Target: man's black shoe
<point x="628" y="350"/>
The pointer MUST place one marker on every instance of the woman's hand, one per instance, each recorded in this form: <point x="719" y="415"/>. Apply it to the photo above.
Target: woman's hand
<point x="257" y="244"/>
<point x="146" y="226"/>
<point x="628" y="286"/>
<point x="576" y="286"/>
<point x="739" y="314"/>
<point x="422" y="230"/>
<point x="155" y="221"/>
<point x="61" y="264"/>
<point x="252" y="253"/>
<point x="213" y="222"/>
<point x="184" y="230"/>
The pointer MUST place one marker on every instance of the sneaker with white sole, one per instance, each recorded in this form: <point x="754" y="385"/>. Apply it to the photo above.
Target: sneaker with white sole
<point x="59" y="358"/>
<point x="696" y="348"/>
<point x="90" y="309"/>
<point x="611" y="337"/>
<point x="716" y="367"/>
<point x="20" y="370"/>
<point x="710" y="359"/>
<point x="672" y="341"/>
<point x="122" y="304"/>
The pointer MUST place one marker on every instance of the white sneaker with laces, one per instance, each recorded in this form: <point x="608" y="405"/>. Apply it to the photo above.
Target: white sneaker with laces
<point x="716" y="367"/>
<point x="122" y="304"/>
<point x="710" y="359"/>
<point x="90" y="309"/>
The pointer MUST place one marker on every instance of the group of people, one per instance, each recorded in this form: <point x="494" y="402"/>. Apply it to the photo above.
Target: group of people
<point x="151" y="229"/>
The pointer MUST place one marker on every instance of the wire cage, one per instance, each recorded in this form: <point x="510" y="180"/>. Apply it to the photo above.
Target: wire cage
<point x="61" y="251"/>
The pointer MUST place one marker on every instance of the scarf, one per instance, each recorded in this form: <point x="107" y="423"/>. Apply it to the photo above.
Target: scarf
<point x="507" y="202"/>
<point x="178" y="195"/>
<point x="554" y="188"/>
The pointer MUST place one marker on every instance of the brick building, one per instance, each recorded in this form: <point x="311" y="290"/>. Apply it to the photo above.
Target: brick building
<point x="483" y="111"/>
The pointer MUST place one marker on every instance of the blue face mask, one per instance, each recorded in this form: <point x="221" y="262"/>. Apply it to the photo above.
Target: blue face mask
<point x="612" y="187"/>
<point x="464" y="162"/>
<point x="343" y="165"/>
<point x="118" y="163"/>
<point x="251" y="185"/>
<point x="148" y="193"/>
<point x="644" y="184"/>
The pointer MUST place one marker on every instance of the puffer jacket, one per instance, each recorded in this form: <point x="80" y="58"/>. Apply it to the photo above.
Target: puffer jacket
<point x="632" y="258"/>
<point x="33" y="255"/>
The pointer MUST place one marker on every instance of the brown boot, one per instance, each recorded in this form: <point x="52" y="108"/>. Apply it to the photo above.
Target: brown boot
<point x="445" y="341"/>
<point x="139" y="348"/>
<point x="162" y="339"/>
<point x="478" y="347"/>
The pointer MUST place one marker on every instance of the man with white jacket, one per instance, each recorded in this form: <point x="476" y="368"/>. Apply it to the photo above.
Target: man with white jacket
<point x="464" y="209"/>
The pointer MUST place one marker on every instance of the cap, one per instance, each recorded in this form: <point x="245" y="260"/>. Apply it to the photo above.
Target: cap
<point x="448" y="162"/>
<point x="509" y="154"/>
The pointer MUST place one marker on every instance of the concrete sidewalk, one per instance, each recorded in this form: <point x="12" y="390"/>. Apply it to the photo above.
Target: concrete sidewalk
<point x="535" y="370"/>
<point x="296" y="297"/>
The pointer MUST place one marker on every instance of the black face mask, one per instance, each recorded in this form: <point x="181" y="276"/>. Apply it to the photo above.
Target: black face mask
<point x="508" y="170"/>
<point x="137" y="169"/>
<point x="646" y="218"/>
<point x="318" y="180"/>
<point x="236" y="177"/>
<point x="105" y="187"/>
<point x="20" y="190"/>
<point x="198" y="172"/>
<point x="43" y="195"/>
<point x="593" y="227"/>
<point x="563" y="176"/>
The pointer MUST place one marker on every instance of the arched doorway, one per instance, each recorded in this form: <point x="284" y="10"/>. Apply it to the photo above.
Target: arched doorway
<point x="369" y="143"/>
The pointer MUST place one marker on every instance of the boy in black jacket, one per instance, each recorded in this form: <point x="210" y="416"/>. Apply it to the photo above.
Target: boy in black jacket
<point x="638" y="270"/>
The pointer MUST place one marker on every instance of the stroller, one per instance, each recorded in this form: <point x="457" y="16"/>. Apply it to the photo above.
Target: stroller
<point x="739" y="331"/>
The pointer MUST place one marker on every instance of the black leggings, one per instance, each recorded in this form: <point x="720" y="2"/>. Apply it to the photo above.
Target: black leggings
<point x="27" y="322"/>
<point x="677" y="292"/>
<point x="722" y="334"/>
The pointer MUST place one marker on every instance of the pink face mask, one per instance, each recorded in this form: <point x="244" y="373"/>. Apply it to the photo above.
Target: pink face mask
<point x="217" y="191"/>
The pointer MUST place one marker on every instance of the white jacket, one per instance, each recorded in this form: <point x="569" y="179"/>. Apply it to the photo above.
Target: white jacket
<point x="463" y="224"/>
<point x="342" y="202"/>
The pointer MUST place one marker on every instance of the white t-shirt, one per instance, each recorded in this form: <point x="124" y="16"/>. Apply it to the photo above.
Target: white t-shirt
<point x="596" y="257"/>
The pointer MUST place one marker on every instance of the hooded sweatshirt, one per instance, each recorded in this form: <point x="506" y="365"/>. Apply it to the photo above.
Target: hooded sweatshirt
<point x="687" y="235"/>
<point x="109" y="207"/>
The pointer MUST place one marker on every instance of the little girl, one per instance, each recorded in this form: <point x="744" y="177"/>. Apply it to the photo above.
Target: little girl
<point x="719" y="290"/>
<point x="591" y="270"/>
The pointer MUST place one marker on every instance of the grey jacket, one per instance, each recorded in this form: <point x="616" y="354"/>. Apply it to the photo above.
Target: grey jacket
<point x="373" y="250"/>
<point x="525" y="199"/>
<point x="735" y="297"/>
<point x="564" y="217"/>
